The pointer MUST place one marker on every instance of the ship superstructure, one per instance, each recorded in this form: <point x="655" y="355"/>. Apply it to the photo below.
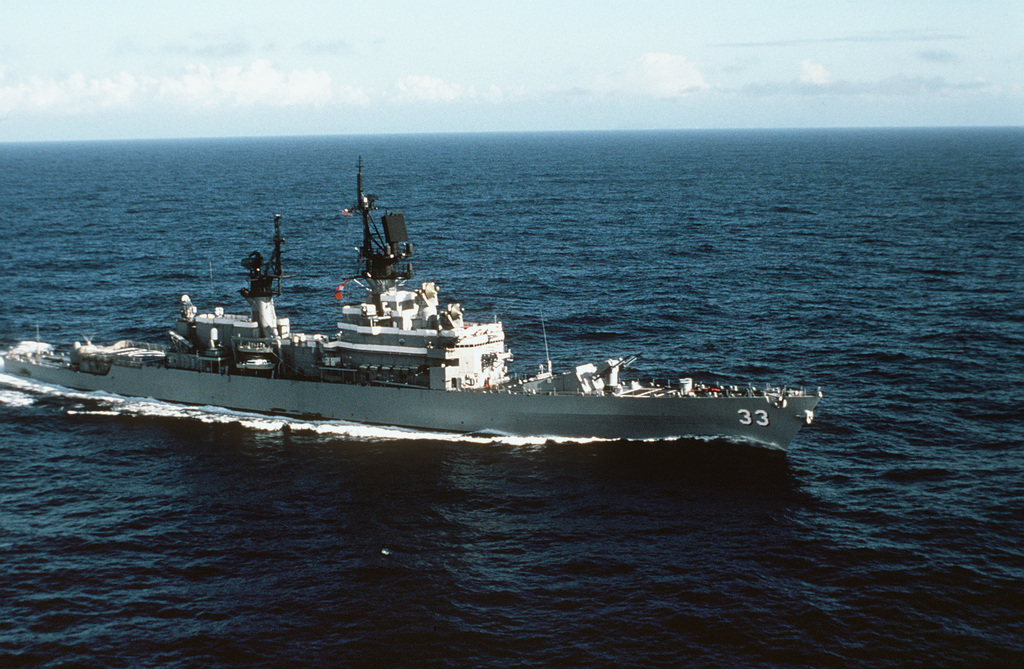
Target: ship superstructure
<point x="396" y="337"/>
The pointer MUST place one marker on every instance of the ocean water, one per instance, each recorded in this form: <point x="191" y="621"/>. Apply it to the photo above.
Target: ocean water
<point x="884" y="266"/>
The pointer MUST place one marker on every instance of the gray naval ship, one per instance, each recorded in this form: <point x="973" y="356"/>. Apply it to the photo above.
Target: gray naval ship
<point x="401" y="358"/>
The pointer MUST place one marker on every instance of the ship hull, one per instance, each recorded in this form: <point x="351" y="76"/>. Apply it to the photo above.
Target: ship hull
<point x="766" y="421"/>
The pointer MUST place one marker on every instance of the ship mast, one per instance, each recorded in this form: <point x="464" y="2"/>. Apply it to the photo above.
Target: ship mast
<point x="265" y="277"/>
<point x="264" y="284"/>
<point x="385" y="257"/>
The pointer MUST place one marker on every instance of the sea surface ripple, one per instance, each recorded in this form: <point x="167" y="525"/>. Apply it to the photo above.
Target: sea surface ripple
<point x="882" y="265"/>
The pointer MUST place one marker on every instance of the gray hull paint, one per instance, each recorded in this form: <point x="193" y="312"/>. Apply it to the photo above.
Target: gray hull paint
<point x="516" y="414"/>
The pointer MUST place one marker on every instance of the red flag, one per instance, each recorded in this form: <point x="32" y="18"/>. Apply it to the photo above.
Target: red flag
<point x="339" y="290"/>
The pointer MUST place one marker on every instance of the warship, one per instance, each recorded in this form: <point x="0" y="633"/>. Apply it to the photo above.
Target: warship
<point x="400" y="357"/>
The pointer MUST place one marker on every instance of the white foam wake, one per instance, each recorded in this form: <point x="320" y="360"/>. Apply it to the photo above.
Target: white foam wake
<point x="16" y="391"/>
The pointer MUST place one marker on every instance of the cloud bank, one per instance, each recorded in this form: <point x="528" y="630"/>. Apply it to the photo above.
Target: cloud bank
<point x="419" y="88"/>
<point x="814" y="73"/>
<point x="814" y="79"/>
<point x="258" y="84"/>
<point x="657" y="76"/>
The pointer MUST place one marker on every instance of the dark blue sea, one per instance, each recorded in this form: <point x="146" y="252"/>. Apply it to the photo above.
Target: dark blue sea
<point x="885" y="266"/>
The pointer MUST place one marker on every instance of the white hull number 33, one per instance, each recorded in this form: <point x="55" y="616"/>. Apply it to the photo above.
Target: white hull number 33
<point x="759" y="417"/>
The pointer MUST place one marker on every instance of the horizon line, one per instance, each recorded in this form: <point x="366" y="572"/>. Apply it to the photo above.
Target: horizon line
<point x="425" y="133"/>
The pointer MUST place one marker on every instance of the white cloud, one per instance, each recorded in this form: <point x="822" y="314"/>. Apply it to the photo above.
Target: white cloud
<point x="258" y="84"/>
<point x="666" y="75"/>
<point x="351" y="95"/>
<point x="658" y="75"/>
<point x="494" y="94"/>
<point x="894" y="86"/>
<point x="75" y="93"/>
<point x="419" y="88"/>
<point x="416" y="88"/>
<point x="814" y="73"/>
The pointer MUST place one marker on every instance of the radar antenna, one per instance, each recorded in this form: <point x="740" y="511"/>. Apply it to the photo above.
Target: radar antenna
<point x="265" y="277"/>
<point x="385" y="256"/>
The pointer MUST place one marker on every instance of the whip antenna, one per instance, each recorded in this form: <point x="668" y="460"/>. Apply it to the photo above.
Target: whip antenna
<point x="544" y="331"/>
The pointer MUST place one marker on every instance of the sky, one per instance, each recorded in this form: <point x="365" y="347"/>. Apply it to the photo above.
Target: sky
<point x="105" y="69"/>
